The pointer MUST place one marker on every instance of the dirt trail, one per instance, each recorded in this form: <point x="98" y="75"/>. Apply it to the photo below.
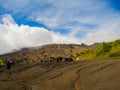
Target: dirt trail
<point x="83" y="75"/>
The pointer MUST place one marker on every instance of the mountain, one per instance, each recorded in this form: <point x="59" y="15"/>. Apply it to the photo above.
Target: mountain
<point x="78" y="52"/>
<point x="46" y="51"/>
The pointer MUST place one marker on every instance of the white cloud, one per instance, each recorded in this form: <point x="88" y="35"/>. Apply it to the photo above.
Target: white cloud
<point x="84" y="12"/>
<point x="106" y="33"/>
<point x="50" y="22"/>
<point x="58" y="38"/>
<point x="7" y="19"/>
<point x="13" y="36"/>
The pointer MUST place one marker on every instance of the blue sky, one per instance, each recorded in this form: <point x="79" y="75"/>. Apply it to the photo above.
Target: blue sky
<point x="29" y="23"/>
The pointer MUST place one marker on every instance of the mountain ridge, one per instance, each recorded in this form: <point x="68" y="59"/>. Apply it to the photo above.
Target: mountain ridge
<point x="48" y="50"/>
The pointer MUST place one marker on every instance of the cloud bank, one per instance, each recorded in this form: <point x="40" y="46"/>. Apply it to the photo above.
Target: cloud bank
<point x="13" y="36"/>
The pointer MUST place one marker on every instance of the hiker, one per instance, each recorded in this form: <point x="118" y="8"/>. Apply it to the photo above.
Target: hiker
<point x="1" y="66"/>
<point x="8" y="66"/>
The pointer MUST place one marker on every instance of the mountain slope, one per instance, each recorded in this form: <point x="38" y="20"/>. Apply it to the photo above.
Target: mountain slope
<point x="46" y="51"/>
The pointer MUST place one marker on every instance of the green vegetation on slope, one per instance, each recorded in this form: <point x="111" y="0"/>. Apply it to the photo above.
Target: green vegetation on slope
<point x="102" y="51"/>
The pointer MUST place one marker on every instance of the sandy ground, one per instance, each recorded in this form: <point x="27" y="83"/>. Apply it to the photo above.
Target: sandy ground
<point x="83" y="75"/>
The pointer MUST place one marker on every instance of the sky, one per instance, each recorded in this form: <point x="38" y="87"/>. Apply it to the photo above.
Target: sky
<point x="31" y="23"/>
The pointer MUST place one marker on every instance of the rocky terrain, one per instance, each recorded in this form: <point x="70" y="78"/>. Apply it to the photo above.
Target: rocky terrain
<point x="82" y="75"/>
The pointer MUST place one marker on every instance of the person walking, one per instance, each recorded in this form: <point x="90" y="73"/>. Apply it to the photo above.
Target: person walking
<point x="8" y="66"/>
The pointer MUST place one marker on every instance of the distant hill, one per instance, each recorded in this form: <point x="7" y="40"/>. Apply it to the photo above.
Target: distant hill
<point x="102" y="51"/>
<point x="77" y="52"/>
<point x="46" y="51"/>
